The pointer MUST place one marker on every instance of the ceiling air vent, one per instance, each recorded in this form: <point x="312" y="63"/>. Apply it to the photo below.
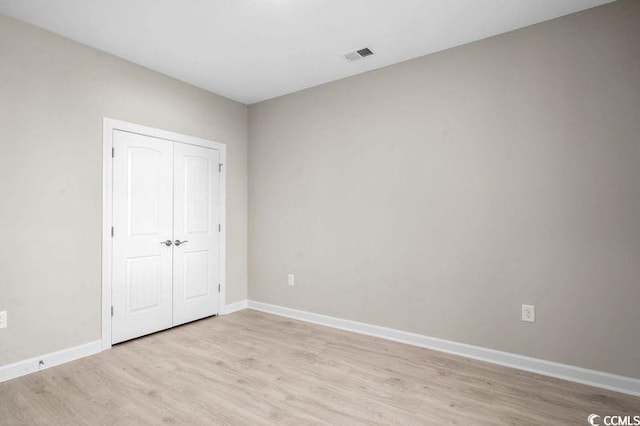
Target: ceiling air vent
<point x="358" y="54"/>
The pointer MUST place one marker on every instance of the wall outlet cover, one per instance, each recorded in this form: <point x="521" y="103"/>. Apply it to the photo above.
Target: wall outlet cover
<point x="291" y="279"/>
<point x="528" y="313"/>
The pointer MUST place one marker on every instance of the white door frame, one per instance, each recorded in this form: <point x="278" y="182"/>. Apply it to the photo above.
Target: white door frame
<point x="108" y="127"/>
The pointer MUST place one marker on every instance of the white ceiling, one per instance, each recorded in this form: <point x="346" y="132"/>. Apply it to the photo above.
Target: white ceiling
<point x="252" y="50"/>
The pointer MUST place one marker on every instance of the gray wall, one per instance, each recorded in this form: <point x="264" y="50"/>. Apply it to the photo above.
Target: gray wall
<point x="53" y="95"/>
<point x="438" y="195"/>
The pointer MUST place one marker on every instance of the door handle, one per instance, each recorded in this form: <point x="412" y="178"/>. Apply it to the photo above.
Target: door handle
<point x="178" y="243"/>
<point x="166" y="243"/>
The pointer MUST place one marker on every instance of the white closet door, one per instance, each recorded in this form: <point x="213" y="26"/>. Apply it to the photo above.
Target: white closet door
<point x="196" y="267"/>
<point x="142" y="250"/>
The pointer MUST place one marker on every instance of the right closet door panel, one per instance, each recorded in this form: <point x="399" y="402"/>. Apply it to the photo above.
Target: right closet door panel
<point x="196" y="232"/>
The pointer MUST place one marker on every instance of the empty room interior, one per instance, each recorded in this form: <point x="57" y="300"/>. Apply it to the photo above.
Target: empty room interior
<point x="357" y="212"/>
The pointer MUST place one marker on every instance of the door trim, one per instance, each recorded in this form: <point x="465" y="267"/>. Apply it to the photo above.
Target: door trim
<point x="109" y="125"/>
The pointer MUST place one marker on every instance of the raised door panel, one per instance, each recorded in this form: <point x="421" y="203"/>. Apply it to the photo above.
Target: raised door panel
<point x="196" y="220"/>
<point x="196" y="274"/>
<point x="143" y="283"/>
<point x="197" y="194"/>
<point x="142" y="218"/>
<point x="144" y="191"/>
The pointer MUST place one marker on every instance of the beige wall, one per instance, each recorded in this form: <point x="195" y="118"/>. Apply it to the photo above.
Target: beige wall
<point x="53" y="95"/>
<point x="438" y="195"/>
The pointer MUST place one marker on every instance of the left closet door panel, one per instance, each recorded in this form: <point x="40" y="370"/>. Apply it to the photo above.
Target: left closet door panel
<point x="143" y="235"/>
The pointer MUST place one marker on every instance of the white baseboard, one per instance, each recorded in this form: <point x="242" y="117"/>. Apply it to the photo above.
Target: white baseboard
<point x="234" y="307"/>
<point x="21" y="368"/>
<point x="585" y="376"/>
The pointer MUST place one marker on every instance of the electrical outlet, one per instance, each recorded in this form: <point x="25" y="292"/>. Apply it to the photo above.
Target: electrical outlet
<point x="528" y="313"/>
<point x="3" y="319"/>
<point x="291" y="279"/>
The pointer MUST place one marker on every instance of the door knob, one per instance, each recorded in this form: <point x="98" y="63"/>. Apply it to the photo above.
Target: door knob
<point x="166" y="243"/>
<point x="178" y="243"/>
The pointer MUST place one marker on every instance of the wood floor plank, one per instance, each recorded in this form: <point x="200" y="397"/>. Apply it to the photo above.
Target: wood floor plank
<point x="254" y="368"/>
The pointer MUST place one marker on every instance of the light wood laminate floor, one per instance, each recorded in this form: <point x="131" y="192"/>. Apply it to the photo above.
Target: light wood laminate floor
<point x="254" y="368"/>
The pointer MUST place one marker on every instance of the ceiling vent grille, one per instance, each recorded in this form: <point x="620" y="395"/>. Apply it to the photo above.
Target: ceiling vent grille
<point x="358" y="54"/>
